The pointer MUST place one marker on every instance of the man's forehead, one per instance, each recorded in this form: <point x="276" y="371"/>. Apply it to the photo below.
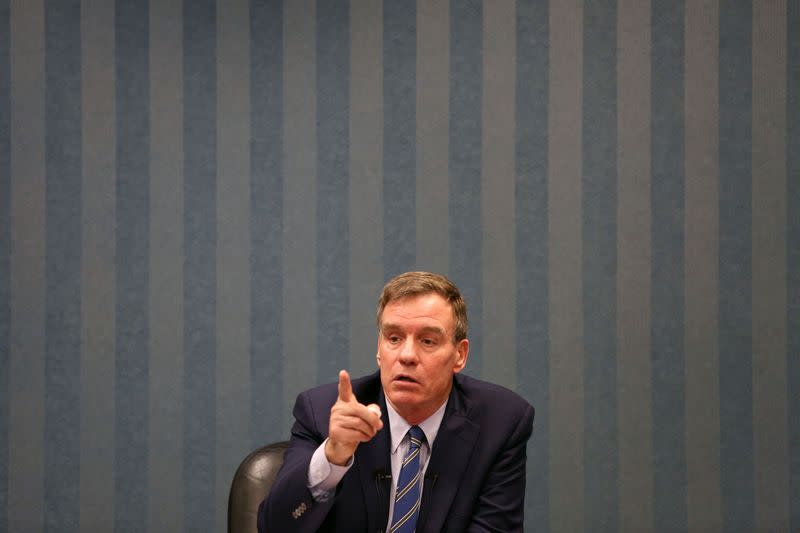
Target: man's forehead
<point x="425" y="328"/>
<point x="428" y="303"/>
<point x="433" y="314"/>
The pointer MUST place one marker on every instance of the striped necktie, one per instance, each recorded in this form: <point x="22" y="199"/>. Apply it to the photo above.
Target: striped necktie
<point x="407" y="496"/>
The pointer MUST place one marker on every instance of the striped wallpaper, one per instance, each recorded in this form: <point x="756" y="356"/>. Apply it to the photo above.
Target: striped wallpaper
<point x="200" y="201"/>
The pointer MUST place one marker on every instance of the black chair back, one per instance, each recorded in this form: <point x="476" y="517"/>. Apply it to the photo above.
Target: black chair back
<point x="251" y="484"/>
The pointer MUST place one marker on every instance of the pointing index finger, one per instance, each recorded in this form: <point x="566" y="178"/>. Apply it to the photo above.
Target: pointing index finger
<point x="345" y="388"/>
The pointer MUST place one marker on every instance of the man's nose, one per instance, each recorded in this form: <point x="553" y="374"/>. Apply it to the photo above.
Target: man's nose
<point x="408" y="352"/>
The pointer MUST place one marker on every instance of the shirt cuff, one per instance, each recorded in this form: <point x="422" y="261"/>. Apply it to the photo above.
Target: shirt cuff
<point x="323" y="476"/>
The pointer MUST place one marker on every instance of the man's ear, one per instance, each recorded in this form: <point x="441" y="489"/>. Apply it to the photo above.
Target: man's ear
<point x="462" y="354"/>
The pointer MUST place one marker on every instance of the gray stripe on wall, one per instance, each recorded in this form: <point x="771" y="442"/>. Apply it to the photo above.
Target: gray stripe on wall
<point x="567" y="512"/>
<point x="366" y="178"/>
<point x="466" y="75"/>
<point x="701" y="267"/>
<point x="667" y="328"/>
<point x="735" y="265"/>
<point x="266" y="222"/>
<point x="233" y="247"/>
<point x="5" y="253"/>
<point x="132" y="249"/>
<point x="165" y="410"/>
<point x="497" y="189"/>
<point x="531" y="211"/>
<point x="634" y="393"/>
<point x="63" y="255"/>
<point x="770" y="413"/>
<point x="432" y="140"/>
<point x="300" y="199"/>
<point x="599" y="260"/>
<point x="793" y="256"/>
<point x="200" y="266"/>
<point x="333" y="246"/>
<point x="399" y="136"/>
<point x="98" y="272"/>
<point x="27" y="303"/>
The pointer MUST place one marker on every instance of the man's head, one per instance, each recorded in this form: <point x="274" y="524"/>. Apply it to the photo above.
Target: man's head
<point x="422" y="329"/>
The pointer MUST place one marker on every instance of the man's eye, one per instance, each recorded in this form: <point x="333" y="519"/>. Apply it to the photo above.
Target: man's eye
<point x="428" y="342"/>
<point x="394" y="339"/>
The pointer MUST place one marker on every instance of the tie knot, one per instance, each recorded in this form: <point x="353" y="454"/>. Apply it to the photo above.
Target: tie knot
<point x="416" y="436"/>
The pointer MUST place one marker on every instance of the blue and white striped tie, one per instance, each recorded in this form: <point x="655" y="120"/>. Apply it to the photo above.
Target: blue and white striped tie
<point x="407" y="496"/>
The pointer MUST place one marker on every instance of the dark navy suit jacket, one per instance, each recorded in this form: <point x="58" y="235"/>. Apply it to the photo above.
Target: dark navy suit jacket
<point x="475" y="479"/>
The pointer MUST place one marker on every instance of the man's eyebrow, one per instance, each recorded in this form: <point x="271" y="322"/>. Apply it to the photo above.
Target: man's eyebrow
<point x="432" y="329"/>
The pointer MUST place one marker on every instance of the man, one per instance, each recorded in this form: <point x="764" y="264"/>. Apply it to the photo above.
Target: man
<point x="415" y="446"/>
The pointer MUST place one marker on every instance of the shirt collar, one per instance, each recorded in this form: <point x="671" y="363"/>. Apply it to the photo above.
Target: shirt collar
<point x="398" y="427"/>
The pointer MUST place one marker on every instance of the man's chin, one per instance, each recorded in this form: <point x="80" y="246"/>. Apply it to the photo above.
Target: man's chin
<point x="403" y="398"/>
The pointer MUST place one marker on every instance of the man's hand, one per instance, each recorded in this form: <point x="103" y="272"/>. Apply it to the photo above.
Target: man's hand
<point x="350" y="424"/>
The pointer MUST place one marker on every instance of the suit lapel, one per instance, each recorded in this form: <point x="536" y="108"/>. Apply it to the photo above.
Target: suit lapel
<point x="449" y="460"/>
<point x="374" y="471"/>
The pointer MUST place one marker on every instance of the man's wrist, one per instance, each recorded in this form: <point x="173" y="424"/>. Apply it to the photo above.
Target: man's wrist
<point x="323" y="476"/>
<point x="338" y="454"/>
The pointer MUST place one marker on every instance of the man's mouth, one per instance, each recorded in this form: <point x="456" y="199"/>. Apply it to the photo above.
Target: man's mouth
<point x="406" y="379"/>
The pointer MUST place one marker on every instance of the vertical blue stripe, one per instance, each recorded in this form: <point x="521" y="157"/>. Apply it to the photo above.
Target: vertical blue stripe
<point x="533" y="343"/>
<point x="399" y="135"/>
<point x="63" y="270"/>
<point x="266" y="230"/>
<point x="667" y="267"/>
<point x="466" y="90"/>
<point x="793" y="256"/>
<point x="5" y="253"/>
<point x="333" y="163"/>
<point x="200" y="223"/>
<point x="132" y="236"/>
<point x="63" y="238"/>
<point x="600" y="263"/>
<point x="735" y="272"/>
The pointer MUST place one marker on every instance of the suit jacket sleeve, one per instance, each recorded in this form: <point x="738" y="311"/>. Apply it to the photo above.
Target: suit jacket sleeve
<point x="500" y="505"/>
<point x="290" y="505"/>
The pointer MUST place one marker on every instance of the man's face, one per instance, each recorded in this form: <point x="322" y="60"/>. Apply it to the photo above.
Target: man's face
<point x="417" y="355"/>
